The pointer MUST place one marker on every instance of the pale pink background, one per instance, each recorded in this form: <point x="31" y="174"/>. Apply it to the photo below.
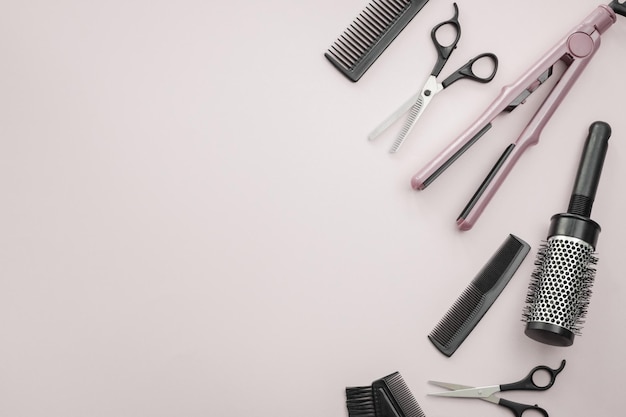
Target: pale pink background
<point x="194" y="224"/>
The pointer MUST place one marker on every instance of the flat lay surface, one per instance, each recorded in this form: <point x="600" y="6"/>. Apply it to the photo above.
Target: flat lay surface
<point x="194" y="222"/>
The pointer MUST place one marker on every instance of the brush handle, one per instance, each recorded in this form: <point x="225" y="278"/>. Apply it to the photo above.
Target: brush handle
<point x="590" y="169"/>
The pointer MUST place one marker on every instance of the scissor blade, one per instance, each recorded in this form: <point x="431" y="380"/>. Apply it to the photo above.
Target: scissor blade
<point x="479" y="392"/>
<point x="393" y="117"/>
<point x="414" y="114"/>
<point x="449" y="385"/>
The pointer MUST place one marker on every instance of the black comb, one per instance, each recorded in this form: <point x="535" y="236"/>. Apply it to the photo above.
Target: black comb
<point x="479" y="295"/>
<point x="371" y="32"/>
<point x="386" y="397"/>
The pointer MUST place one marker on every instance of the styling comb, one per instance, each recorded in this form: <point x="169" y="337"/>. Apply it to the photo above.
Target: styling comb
<point x="386" y="397"/>
<point x="371" y="32"/>
<point x="479" y="295"/>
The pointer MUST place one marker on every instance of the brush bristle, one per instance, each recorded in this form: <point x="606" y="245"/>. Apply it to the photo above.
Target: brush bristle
<point x="560" y="286"/>
<point x="360" y="402"/>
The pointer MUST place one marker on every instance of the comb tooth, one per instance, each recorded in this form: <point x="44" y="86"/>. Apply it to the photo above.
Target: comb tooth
<point x="397" y="6"/>
<point x="403" y="396"/>
<point x="348" y="47"/>
<point x="338" y="57"/>
<point x="347" y="50"/>
<point x="374" y="22"/>
<point x="454" y="320"/>
<point x="366" y="29"/>
<point x="382" y="12"/>
<point x="370" y="33"/>
<point x="354" y="41"/>
<point x="388" y="5"/>
<point x="337" y="52"/>
<point x="358" y="38"/>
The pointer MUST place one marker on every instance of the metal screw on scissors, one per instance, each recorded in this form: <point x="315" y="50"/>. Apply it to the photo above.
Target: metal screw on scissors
<point x="419" y="101"/>
<point x="487" y="393"/>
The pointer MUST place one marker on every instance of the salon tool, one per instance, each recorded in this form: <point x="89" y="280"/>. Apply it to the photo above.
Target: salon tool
<point x="488" y="393"/>
<point x="560" y="287"/>
<point x="575" y="50"/>
<point x="419" y="101"/>
<point x="371" y="32"/>
<point x="386" y="397"/>
<point x="479" y="295"/>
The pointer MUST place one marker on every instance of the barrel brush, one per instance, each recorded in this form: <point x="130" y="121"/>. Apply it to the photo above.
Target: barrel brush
<point x="560" y="287"/>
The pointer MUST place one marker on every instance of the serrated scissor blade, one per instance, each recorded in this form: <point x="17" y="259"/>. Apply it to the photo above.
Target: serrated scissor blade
<point x="414" y="114"/>
<point x="393" y="117"/>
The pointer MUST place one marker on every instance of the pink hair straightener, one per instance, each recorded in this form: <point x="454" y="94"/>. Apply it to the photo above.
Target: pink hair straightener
<point x="575" y="50"/>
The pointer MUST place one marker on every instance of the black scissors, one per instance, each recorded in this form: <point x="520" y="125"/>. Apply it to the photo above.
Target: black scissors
<point x="488" y="393"/>
<point x="420" y="100"/>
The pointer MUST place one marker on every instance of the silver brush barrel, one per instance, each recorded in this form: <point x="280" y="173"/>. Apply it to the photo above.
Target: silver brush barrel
<point x="560" y="287"/>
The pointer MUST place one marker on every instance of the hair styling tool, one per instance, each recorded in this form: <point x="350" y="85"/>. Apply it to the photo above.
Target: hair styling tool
<point x="386" y="397"/>
<point x="560" y="287"/>
<point x="418" y="102"/>
<point x="371" y="32"/>
<point x="488" y="393"/>
<point x="479" y="295"/>
<point x="575" y="50"/>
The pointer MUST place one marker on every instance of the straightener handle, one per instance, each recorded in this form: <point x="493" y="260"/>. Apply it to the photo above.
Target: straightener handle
<point x="619" y="8"/>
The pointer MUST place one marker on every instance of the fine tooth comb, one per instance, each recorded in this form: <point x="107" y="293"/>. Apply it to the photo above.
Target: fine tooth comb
<point x="479" y="295"/>
<point x="386" y="397"/>
<point x="371" y="32"/>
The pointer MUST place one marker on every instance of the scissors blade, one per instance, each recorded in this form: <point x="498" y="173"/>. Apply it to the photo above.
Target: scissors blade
<point x="430" y="89"/>
<point x="448" y="385"/>
<point x="478" y="392"/>
<point x="393" y="117"/>
<point x="414" y="114"/>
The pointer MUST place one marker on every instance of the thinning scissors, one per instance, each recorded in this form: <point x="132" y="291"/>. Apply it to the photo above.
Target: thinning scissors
<point x="487" y="393"/>
<point x="420" y="100"/>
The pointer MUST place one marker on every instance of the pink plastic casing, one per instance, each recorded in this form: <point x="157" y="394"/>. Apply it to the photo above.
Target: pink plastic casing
<point x="576" y="49"/>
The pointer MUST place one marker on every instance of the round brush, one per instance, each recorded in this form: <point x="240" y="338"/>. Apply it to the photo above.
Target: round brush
<point x="560" y="287"/>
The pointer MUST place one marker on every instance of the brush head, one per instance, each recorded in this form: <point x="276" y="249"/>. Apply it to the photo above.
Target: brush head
<point x="386" y="397"/>
<point x="560" y="286"/>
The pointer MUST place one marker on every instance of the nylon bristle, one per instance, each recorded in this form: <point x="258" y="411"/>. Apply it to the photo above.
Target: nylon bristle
<point x="560" y="287"/>
<point x="360" y="402"/>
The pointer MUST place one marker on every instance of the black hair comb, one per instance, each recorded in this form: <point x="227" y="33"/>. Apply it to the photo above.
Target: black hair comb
<point x="371" y="32"/>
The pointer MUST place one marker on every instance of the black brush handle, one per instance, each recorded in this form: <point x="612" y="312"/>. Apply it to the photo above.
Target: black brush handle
<point x="618" y="7"/>
<point x="590" y="169"/>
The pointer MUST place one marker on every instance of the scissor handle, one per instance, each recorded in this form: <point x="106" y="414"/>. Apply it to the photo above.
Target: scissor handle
<point x="467" y="71"/>
<point x="518" y="409"/>
<point x="444" y="51"/>
<point x="529" y="384"/>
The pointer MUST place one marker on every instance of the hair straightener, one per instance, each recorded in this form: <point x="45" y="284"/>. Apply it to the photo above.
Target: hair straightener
<point x="575" y="50"/>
